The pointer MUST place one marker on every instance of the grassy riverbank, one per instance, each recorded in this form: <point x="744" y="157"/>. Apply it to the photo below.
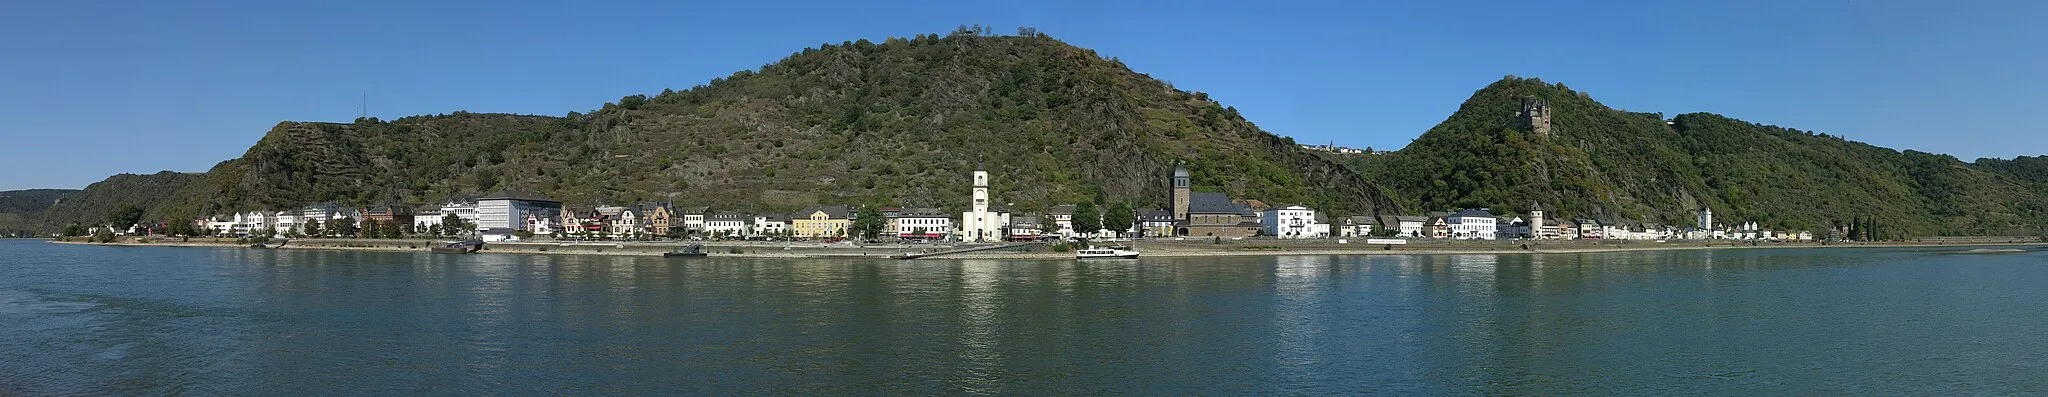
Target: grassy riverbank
<point x="1151" y="248"/>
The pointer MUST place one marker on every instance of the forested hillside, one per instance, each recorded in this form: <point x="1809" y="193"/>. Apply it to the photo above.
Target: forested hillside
<point x="1609" y="164"/>
<point x="902" y="121"/>
<point x="92" y="205"/>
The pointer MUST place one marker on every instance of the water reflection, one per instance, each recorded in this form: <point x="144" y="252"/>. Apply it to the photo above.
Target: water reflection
<point x="234" y="322"/>
<point x="1299" y="328"/>
<point x="980" y="349"/>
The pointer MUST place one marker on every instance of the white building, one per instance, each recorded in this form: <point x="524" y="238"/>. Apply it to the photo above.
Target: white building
<point x="1472" y="224"/>
<point x="1404" y="226"/>
<point x="1293" y="222"/>
<point x="254" y="221"/>
<point x="770" y="225"/>
<point x="426" y="217"/>
<point x="285" y="221"/>
<point x="726" y="223"/>
<point x="1357" y="226"/>
<point x="508" y="211"/>
<point x="693" y="218"/>
<point x="930" y="224"/>
<point x="619" y="222"/>
<point x="980" y="224"/>
<point x="1705" y="219"/>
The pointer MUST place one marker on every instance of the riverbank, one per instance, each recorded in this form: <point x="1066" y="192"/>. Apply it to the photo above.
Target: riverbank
<point x="1151" y="248"/>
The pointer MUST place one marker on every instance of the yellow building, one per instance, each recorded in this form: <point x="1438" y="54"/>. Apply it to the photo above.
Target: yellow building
<point x="822" y="222"/>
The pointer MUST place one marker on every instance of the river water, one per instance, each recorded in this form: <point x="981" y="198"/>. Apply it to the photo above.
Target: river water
<point x="92" y="320"/>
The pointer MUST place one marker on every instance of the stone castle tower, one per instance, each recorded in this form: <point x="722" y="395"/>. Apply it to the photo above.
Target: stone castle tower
<point x="1180" y="192"/>
<point x="1535" y="115"/>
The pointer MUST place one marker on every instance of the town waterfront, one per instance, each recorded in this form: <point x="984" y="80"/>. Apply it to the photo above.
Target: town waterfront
<point x="96" y="320"/>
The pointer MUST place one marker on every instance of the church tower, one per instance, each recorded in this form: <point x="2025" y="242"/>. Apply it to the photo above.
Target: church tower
<point x="979" y="224"/>
<point x="980" y="191"/>
<point x="1180" y="192"/>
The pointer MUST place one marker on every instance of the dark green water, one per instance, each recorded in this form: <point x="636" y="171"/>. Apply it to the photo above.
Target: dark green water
<point x="150" y="321"/>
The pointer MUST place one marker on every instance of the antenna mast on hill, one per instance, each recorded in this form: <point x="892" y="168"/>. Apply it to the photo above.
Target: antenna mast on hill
<point x="366" y="105"/>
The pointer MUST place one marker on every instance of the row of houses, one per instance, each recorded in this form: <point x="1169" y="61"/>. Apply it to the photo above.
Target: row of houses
<point x="1482" y="224"/>
<point x="1193" y="214"/>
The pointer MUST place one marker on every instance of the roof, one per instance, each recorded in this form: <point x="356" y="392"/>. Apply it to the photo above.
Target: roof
<point x="1473" y="213"/>
<point x="1212" y="203"/>
<point x="1062" y="209"/>
<point x="1358" y="220"/>
<point x="833" y="211"/>
<point x="923" y="212"/>
<point x="702" y="210"/>
<point x="1023" y="220"/>
<point x="729" y="215"/>
<point x="1180" y="172"/>
<point x="1155" y="215"/>
<point x="774" y="217"/>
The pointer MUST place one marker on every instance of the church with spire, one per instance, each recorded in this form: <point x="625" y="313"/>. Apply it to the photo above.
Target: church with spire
<point x="981" y="223"/>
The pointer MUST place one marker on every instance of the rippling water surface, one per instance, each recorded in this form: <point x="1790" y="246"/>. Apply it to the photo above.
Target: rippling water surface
<point x="92" y="320"/>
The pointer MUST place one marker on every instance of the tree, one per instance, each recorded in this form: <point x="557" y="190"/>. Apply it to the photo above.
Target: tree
<point x="434" y="230"/>
<point x="453" y="224"/>
<point x="74" y="230"/>
<point x="180" y="229"/>
<point x="1047" y="226"/>
<point x="1087" y="219"/>
<point x="1120" y="218"/>
<point x="390" y="229"/>
<point x="125" y="216"/>
<point x="372" y="228"/>
<point x="103" y="235"/>
<point x="344" y="227"/>
<point x="313" y="228"/>
<point x="869" y="223"/>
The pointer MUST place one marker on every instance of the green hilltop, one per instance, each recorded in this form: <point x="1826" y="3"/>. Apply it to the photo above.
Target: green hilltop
<point x="1612" y="165"/>
<point x="903" y="121"/>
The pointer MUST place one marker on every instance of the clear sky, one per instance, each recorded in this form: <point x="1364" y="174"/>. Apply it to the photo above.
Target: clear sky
<point x="93" y="88"/>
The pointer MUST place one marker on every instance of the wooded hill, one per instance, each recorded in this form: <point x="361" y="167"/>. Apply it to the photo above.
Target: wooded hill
<point x="1613" y="165"/>
<point x="903" y="122"/>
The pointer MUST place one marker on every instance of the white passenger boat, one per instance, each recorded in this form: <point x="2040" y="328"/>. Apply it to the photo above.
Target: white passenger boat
<point x="1105" y="253"/>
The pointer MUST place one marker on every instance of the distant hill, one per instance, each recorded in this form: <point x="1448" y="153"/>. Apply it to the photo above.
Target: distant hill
<point x="903" y="121"/>
<point x="31" y="200"/>
<point x="20" y="208"/>
<point x="92" y="205"/>
<point x="1608" y="164"/>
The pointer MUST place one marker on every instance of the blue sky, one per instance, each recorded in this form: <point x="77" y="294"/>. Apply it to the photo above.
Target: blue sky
<point x="89" y="89"/>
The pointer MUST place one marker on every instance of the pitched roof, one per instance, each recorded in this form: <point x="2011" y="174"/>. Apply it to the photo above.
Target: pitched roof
<point x="1062" y="209"/>
<point x="1213" y="203"/>
<point x="833" y="211"/>
<point x="1473" y="212"/>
